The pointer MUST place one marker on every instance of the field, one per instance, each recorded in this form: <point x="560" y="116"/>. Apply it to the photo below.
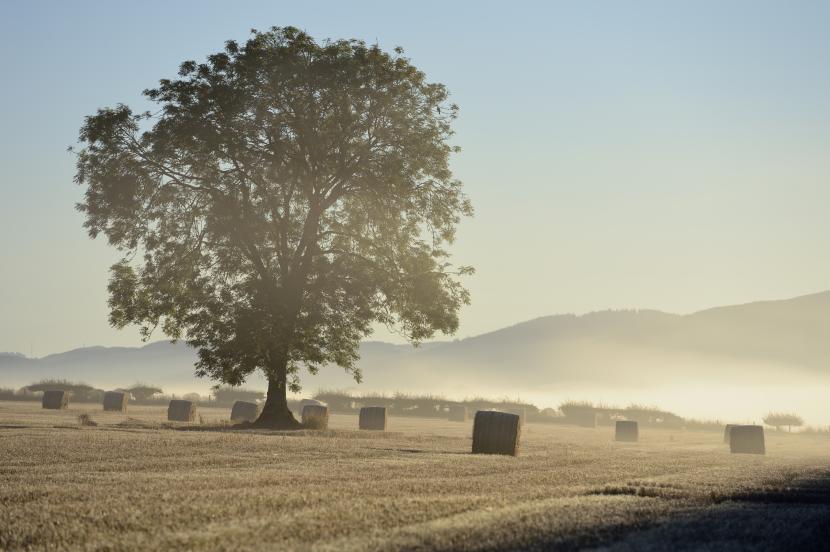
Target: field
<point x="135" y="482"/>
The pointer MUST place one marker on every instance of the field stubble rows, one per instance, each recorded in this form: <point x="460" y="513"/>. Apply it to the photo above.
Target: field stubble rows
<point x="135" y="483"/>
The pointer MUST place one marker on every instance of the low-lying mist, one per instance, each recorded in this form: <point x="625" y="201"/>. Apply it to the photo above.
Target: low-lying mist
<point x="733" y="364"/>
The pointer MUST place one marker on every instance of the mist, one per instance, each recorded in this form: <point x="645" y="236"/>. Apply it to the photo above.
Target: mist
<point x="733" y="364"/>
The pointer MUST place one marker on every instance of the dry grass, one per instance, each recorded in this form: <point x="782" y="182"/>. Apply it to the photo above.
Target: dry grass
<point x="139" y="483"/>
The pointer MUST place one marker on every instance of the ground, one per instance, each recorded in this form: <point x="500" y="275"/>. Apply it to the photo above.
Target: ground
<point x="135" y="482"/>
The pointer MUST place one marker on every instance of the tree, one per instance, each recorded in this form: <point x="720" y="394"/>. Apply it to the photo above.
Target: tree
<point x="80" y="391"/>
<point x="287" y="195"/>
<point x="779" y="419"/>
<point x="143" y="392"/>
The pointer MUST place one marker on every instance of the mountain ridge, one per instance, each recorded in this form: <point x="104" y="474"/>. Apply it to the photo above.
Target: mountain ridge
<point x="762" y="338"/>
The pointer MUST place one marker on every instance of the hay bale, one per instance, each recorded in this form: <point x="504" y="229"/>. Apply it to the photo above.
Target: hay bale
<point x="312" y="402"/>
<point x="373" y="417"/>
<point x="315" y="416"/>
<point x="626" y="431"/>
<point x="244" y="411"/>
<point x="520" y="412"/>
<point x="55" y="399"/>
<point x="747" y="439"/>
<point x="457" y="413"/>
<point x="181" y="411"/>
<point x="496" y="432"/>
<point x="726" y="432"/>
<point x="115" y="401"/>
<point x="306" y="402"/>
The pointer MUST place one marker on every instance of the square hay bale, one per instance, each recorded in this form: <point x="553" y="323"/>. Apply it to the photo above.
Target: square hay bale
<point x="496" y="432"/>
<point x="373" y="417"/>
<point x="520" y="412"/>
<point x="313" y="402"/>
<point x="315" y="416"/>
<point x="305" y="402"/>
<point x="244" y="411"/>
<point x="726" y="432"/>
<point x="627" y="431"/>
<point x="747" y="439"/>
<point x="115" y="401"/>
<point x="181" y="411"/>
<point x="457" y="413"/>
<point x="55" y="399"/>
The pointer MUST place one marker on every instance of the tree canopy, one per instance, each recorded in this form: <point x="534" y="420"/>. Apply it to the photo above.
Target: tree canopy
<point x="142" y="392"/>
<point x="286" y="195"/>
<point x="780" y="419"/>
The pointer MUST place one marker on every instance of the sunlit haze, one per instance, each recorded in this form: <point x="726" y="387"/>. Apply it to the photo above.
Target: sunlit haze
<point x="453" y="275"/>
<point x="670" y="156"/>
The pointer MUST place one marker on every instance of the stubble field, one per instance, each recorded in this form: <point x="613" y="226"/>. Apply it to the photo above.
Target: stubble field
<point x="135" y="482"/>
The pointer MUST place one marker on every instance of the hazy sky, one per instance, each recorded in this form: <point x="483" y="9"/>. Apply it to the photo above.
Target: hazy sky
<point x="671" y="155"/>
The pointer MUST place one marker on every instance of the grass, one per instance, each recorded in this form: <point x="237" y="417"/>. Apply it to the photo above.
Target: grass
<point x="136" y="482"/>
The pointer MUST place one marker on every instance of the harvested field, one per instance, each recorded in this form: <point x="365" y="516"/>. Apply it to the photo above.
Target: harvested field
<point x="138" y="482"/>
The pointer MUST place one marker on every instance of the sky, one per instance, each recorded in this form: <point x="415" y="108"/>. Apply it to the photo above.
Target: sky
<point x="666" y="155"/>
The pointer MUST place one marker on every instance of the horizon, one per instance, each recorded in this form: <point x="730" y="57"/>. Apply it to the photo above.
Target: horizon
<point x="451" y="338"/>
<point x="694" y="377"/>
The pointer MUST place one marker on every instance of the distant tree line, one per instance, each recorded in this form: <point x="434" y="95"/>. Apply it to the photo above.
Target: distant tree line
<point x="400" y="404"/>
<point x="140" y="393"/>
<point x="424" y="406"/>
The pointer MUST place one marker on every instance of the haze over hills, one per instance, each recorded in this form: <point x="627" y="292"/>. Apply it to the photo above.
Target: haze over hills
<point x="601" y="355"/>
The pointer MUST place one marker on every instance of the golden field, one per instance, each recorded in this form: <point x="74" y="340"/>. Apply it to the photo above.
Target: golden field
<point x="136" y="482"/>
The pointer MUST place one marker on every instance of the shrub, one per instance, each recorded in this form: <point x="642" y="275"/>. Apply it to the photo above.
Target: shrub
<point x="779" y="419"/>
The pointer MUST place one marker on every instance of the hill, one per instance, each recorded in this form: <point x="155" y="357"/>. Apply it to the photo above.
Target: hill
<point x="765" y="342"/>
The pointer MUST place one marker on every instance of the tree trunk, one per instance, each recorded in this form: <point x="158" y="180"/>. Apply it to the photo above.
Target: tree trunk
<point x="276" y="414"/>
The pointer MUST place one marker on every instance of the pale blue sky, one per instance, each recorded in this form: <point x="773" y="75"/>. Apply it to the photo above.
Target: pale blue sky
<point x="671" y="155"/>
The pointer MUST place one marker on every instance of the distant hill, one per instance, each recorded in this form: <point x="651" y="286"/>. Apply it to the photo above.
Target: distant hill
<point x="763" y="341"/>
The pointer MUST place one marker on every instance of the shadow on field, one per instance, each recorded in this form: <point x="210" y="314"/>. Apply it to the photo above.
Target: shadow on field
<point x="795" y="516"/>
<point x="792" y="517"/>
<point x="424" y="451"/>
<point x="324" y="433"/>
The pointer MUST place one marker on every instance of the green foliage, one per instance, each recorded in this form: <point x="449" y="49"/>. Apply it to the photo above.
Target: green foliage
<point x="285" y="196"/>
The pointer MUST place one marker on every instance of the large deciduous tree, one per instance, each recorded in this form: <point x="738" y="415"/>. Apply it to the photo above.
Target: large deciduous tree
<point x="286" y="195"/>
